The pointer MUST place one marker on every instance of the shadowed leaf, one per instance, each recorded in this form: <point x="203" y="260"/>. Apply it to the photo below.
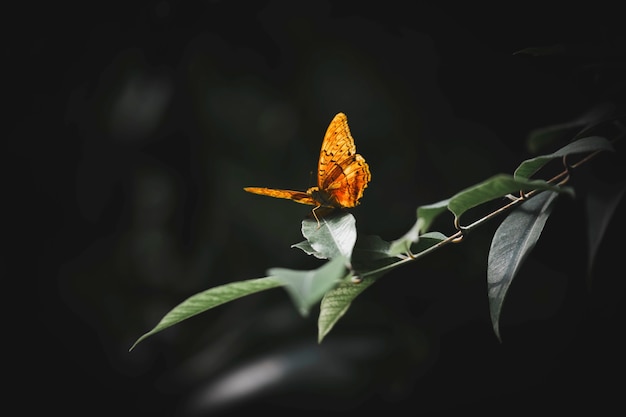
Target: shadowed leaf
<point x="549" y="136"/>
<point x="601" y="202"/>
<point x="513" y="241"/>
<point x="403" y="244"/>
<point x="585" y="145"/>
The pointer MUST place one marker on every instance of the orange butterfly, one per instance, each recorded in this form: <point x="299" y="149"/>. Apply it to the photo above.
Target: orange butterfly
<point x="342" y="174"/>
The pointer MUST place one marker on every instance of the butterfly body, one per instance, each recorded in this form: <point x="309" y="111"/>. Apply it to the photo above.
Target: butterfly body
<point x="342" y="174"/>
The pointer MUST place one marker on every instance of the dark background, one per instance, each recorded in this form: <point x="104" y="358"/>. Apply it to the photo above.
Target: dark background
<point x="136" y="128"/>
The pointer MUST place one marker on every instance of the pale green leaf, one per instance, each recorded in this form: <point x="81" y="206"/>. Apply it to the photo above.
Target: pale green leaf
<point x="334" y="236"/>
<point x="307" y="288"/>
<point x="306" y="247"/>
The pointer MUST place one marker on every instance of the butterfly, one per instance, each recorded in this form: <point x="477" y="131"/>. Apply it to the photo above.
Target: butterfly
<point x="342" y="174"/>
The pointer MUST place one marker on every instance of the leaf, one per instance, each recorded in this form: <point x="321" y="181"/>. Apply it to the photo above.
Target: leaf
<point x="336" y="303"/>
<point x="306" y="247"/>
<point x="403" y="244"/>
<point x="370" y="253"/>
<point x="429" y="212"/>
<point x="426" y="241"/>
<point x="335" y="236"/>
<point x="307" y="288"/>
<point x="601" y="202"/>
<point x="371" y="247"/>
<point x="589" y="144"/>
<point x="209" y="299"/>
<point x="542" y="50"/>
<point x="495" y="187"/>
<point x="578" y="50"/>
<point x="512" y="242"/>
<point x="544" y="137"/>
<point x="425" y="216"/>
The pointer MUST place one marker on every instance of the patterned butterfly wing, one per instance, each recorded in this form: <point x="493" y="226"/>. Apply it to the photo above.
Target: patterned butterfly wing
<point x="342" y="174"/>
<point x="297" y="196"/>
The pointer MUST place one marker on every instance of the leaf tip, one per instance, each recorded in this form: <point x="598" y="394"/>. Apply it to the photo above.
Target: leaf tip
<point x="130" y="349"/>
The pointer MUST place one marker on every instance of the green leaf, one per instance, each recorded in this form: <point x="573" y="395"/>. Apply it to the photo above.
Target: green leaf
<point x="371" y="247"/>
<point x="425" y="216"/>
<point x="307" y="288"/>
<point x="426" y="241"/>
<point x="334" y="236"/>
<point x="512" y="242"/>
<point x="496" y="187"/>
<point x="542" y="50"/>
<point x="403" y="244"/>
<point x="589" y="144"/>
<point x="208" y="299"/>
<point x="370" y="253"/>
<point x="429" y="212"/>
<point x="373" y="252"/>
<point x="336" y="303"/>
<point x="306" y="247"/>
<point x="601" y="202"/>
<point x="548" y="136"/>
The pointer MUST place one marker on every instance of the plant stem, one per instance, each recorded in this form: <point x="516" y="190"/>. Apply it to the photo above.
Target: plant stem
<point x="560" y="178"/>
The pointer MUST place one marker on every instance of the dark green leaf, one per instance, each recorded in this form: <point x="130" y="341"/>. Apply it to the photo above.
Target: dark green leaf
<point x="429" y="212"/>
<point x="336" y="303"/>
<point x="425" y="216"/>
<point x="496" y="187"/>
<point x="208" y="299"/>
<point x="370" y="253"/>
<point x="585" y="145"/>
<point x="426" y="241"/>
<point x="372" y="247"/>
<point x="513" y="241"/>
<point x="548" y="136"/>
<point x="542" y="50"/>
<point x="601" y="202"/>
<point x="403" y="244"/>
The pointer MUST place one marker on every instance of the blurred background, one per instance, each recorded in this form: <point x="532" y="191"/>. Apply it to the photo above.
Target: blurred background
<point x="137" y="127"/>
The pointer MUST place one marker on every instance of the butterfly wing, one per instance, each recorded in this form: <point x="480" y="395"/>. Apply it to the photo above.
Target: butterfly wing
<point x="342" y="174"/>
<point x="297" y="196"/>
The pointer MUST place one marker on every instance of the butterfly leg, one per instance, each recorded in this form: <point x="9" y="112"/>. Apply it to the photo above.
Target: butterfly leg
<point x="315" y="215"/>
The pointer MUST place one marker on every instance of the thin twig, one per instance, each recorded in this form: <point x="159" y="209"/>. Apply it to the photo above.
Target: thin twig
<point x="560" y="178"/>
